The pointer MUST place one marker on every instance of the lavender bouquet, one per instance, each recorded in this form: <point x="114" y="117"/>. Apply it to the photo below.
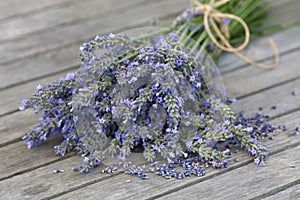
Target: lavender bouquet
<point x="158" y="93"/>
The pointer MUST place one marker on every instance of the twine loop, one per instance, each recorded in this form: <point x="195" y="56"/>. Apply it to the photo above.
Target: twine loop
<point x="211" y="17"/>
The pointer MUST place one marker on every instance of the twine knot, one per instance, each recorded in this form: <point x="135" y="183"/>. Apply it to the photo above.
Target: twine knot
<point x="211" y="16"/>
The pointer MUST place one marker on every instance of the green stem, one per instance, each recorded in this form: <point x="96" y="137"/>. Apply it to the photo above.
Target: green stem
<point x="203" y="47"/>
<point x="130" y="55"/>
<point x="199" y="40"/>
<point x="163" y="31"/>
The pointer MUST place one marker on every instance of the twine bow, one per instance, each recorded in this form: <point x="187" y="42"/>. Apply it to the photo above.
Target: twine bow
<point x="211" y="15"/>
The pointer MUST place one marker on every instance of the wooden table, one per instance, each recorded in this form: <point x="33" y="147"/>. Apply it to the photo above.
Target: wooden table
<point x="39" y="43"/>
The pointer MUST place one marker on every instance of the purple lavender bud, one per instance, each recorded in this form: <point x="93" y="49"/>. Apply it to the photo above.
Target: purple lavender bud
<point x="233" y="100"/>
<point x="111" y="35"/>
<point x="24" y="102"/>
<point x="70" y="76"/>
<point x="206" y="104"/>
<point x="22" y="108"/>
<point x="98" y="38"/>
<point x="29" y="144"/>
<point x="39" y="87"/>
<point x="60" y="101"/>
<point x="262" y="163"/>
<point x="254" y="140"/>
<point x="257" y="160"/>
<point x="75" y="169"/>
<point x="192" y="27"/>
<point x="226" y="21"/>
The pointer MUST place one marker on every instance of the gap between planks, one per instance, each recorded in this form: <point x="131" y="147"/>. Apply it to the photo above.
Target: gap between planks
<point x="252" y="79"/>
<point x="279" y="189"/>
<point x="13" y="8"/>
<point x="59" y="16"/>
<point x="292" y="193"/>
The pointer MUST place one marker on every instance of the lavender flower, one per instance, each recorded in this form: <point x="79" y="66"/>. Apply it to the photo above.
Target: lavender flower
<point x="106" y="109"/>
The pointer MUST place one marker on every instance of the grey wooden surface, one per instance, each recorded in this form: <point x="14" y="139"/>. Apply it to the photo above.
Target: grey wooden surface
<point x="39" y="42"/>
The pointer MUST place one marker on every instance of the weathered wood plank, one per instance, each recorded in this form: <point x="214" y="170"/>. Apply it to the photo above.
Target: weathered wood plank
<point x="16" y="158"/>
<point x="27" y="186"/>
<point x="281" y="97"/>
<point x="14" y="95"/>
<point x="240" y="183"/>
<point x="14" y="8"/>
<point x="42" y="183"/>
<point x="61" y="59"/>
<point x="284" y="12"/>
<point x="139" y="189"/>
<point x="13" y="127"/>
<point x="58" y="17"/>
<point x="259" y="49"/>
<point x="119" y="18"/>
<point x="251" y="80"/>
<point x="39" y="66"/>
<point x="292" y="193"/>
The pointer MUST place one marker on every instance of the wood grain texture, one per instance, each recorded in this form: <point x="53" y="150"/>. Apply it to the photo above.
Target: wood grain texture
<point x="58" y="17"/>
<point x="16" y="158"/>
<point x="17" y="8"/>
<point x="42" y="183"/>
<point x="252" y="80"/>
<point x="117" y="19"/>
<point x="63" y="58"/>
<point x="39" y="66"/>
<point x="292" y="193"/>
<point x="13" y="126"/>
<point x="280" y="96"/>
<point x="14" y="95"/>
<point x="259" y="49"/>
<point x="48" y="51"/>
<point x="139" y="189"/>
<point x="244" y="185"/>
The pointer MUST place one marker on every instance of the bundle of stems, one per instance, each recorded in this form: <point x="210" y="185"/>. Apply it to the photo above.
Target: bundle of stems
<point x="255" y="13"/>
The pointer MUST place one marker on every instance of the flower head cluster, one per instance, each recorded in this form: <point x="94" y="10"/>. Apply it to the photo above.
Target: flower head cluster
<point x="150" y="93"/>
